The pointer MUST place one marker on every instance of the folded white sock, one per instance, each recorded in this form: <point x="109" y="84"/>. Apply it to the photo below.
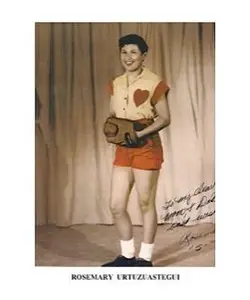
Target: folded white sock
<point x="128" y="248"/>
<point x="146" y="251"/>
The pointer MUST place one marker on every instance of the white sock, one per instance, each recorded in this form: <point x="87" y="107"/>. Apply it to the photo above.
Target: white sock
<point x="128" y="248"/>
<point x="146" y="251"/>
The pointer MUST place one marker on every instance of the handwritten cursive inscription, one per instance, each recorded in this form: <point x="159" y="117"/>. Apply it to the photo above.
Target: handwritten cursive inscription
<point x="206" y="200"/>
<point x="187" y="240"/>
<point x="178" y="224"/>
<point x="190" y="205"/>
<point x="189" y="237"/>
<point x="205" y="215"/>
<point x="179" y="212"/>
<point x="201" y="189"/>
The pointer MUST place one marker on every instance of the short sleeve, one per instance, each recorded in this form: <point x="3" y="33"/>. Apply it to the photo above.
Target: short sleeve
<point x="110" y="88"/>
<point x="160" y="90"/>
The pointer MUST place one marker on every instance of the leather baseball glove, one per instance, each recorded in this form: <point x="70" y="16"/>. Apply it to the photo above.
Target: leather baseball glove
<point x="122" y="132"/>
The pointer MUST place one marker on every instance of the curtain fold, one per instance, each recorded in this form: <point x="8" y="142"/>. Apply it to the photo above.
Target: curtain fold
<point x="74" y="63"/>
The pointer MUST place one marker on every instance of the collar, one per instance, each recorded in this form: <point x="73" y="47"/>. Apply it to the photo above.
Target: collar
<point x="144" y="71"/>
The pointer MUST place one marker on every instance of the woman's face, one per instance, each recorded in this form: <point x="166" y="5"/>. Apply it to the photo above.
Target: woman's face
<point x="131" y="57"/>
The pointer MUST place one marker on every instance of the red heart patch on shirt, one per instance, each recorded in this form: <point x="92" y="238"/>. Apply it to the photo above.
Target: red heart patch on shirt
<point x="140" y="96"/>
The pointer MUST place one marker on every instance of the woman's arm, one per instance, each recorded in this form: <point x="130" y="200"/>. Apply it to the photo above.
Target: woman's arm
<point x="111" y="111"/>
<point x="110" y="90"/>
<point x="163" y="120"/>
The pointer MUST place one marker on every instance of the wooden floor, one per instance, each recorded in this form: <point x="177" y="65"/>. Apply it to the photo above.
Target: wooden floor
<point x="93" y="245"/>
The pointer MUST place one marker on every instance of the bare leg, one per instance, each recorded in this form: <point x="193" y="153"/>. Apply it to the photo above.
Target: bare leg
<point x="146" y="184"/>
<point x="122" y="182"/>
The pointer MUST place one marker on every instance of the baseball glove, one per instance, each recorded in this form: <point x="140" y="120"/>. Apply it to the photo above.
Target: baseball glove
<point x="122" y="132"/>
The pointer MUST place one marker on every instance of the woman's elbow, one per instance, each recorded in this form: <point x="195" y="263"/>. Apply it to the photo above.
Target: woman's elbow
<point x="166" y="122"/>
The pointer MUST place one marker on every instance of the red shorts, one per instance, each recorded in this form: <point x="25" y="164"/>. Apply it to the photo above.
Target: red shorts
<point x="148" y="157"/>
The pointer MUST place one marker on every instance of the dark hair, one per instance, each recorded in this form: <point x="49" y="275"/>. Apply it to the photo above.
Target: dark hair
<point x="135" y="40"/>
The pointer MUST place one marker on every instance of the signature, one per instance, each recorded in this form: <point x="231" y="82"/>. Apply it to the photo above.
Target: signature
<point x="188" y="238"/>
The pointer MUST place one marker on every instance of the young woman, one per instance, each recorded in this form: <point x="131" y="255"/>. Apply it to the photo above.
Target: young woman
<point x="139" y="95"/>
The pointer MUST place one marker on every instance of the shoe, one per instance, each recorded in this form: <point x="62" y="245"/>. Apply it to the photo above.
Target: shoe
<point x="121" y="261"/>
<point x="140" y="262"/>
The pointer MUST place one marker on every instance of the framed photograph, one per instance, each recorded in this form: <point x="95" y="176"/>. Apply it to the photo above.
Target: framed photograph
<point x="125" y="139"/>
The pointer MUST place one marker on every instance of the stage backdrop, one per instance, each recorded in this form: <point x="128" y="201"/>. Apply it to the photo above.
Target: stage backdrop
<point x="74" y="62"/>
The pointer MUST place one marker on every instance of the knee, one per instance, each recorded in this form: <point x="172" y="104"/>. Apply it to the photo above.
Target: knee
<point x="117" y="210"/>
<point x="146" y="204"/>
